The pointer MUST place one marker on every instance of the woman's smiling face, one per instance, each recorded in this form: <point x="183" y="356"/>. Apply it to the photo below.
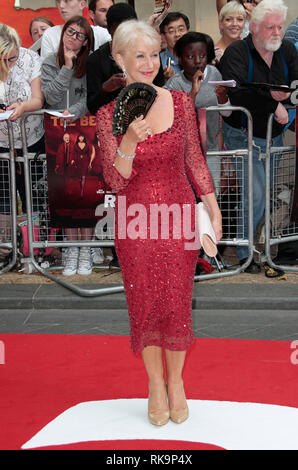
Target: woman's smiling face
<point x="193" y="58"/>
<point x="232" y="25"/>
<point x="141" y="62"/>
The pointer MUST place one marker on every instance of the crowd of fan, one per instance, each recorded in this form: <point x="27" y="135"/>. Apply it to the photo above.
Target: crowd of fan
<point x="73" y="71"/>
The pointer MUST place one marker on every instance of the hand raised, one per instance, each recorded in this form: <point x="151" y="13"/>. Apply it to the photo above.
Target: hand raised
<point x="197" y="81"/>
<point x="69" y="58"/>
<point x="168" y="72"/>
<point x="138" y="130"/>
<point x="113" y="83"/>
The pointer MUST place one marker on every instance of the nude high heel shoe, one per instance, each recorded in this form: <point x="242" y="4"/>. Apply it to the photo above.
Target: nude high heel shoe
<point x="178" y="416"/>
<point x="158" y="418"/>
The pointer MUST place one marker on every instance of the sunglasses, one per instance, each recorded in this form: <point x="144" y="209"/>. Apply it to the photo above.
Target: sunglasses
<point x="11" y="59"/>
<point x="72" y="32"/>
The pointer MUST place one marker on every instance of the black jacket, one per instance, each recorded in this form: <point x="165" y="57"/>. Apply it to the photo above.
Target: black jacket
<point x="234" y="65"/>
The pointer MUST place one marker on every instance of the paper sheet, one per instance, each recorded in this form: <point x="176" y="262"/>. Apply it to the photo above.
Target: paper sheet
<point x="227" y="83"/>
<point x="57" y="114"/>
<point x="6" y="115"/>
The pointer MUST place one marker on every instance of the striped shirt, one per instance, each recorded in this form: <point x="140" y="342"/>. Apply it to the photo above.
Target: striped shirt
<point x="292" y="32"/>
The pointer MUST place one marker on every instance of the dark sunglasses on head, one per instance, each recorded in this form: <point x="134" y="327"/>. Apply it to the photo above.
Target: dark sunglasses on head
<point x="11" y="59"/>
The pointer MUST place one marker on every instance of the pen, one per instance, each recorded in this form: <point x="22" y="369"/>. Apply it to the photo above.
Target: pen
<point x="67" y="107"/>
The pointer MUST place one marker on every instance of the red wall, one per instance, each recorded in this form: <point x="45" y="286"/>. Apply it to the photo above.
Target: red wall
<point x="20" y="19"/>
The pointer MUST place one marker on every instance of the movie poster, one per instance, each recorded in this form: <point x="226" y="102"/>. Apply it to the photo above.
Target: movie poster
<point x="75" y="182"/>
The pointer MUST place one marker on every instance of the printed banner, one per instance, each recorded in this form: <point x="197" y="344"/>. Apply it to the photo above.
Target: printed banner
<point x="75" y="182"/>
<point x="35" y="4"/>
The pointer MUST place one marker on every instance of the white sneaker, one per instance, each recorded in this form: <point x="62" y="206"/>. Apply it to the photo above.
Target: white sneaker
<point x="71" y="261"/>
<point x="97" y="255"/>
<point x="85" y="261"/>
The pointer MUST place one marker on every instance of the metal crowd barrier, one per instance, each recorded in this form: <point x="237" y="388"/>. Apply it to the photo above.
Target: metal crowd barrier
<point x="279" y="197"/>
<point x="228" y="196"/>
<point x="43" y="241"/>
<point x="8" y="222"/>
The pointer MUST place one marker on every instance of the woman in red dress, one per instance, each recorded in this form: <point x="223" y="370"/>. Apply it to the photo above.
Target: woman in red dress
<point x="83" y="156"/>
<point x="152" y="166"/>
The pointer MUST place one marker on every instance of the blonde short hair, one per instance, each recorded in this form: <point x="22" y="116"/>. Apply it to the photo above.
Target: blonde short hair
<point x="129" y="32"/>
<point x="9" y="40"/>
<point x="232" y="7"/>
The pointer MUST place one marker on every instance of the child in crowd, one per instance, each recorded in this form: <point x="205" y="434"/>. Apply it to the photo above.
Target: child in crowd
<point x="38" y="25"/>
<point x="196" y="52"/>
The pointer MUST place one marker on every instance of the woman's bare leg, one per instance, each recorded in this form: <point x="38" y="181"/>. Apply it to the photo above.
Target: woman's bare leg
<point x="72" y="234"/>
<point x="174" y="367"/>
<point x="153" y="360"/>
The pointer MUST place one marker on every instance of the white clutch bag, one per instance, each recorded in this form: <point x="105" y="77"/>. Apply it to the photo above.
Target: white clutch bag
<point x="206" y="232"/>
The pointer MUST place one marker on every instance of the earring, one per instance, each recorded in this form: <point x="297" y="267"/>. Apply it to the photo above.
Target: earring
<point x="124" y="74"/>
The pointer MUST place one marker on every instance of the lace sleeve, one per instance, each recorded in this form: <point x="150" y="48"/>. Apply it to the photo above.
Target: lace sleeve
<point x="195" y="163"/>
<point x="108" y="149"/>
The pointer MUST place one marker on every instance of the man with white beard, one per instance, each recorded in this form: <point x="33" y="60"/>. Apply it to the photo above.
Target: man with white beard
<point x="263" y="57"/>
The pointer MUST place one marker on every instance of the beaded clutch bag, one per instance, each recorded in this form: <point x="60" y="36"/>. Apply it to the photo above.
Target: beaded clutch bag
<point x="133" y="101"/>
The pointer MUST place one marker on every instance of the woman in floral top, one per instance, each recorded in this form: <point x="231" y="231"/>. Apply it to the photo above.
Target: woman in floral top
<point x="20" y="91"/>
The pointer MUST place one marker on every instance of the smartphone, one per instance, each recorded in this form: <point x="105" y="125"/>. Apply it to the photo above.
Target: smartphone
<point x="159" y="6"/>
<point x="169" y="63"/>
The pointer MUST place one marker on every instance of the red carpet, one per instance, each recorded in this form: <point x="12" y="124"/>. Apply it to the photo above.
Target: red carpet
<point x="42" y="376"/>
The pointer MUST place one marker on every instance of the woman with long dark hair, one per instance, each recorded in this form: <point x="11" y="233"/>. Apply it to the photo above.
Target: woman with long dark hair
<point x="63" y="81"/>
<point x="63" y="74"/>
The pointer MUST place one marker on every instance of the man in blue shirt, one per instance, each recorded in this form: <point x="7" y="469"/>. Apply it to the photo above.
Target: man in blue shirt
<point x="172" y="28"/>
<point x="291" y="33"/>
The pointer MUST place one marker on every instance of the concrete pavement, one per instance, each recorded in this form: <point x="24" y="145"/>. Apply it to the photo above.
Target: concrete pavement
<point x="223" y="310"/>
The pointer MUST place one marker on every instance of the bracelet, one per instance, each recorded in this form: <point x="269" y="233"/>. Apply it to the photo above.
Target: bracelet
<point x="127" y="157"/>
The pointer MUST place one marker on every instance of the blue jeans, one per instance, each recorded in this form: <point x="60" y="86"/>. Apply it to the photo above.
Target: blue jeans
<point x="237" y="139"/>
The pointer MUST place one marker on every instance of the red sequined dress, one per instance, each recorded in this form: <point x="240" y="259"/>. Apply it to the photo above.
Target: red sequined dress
<point x="156" y="268"/>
